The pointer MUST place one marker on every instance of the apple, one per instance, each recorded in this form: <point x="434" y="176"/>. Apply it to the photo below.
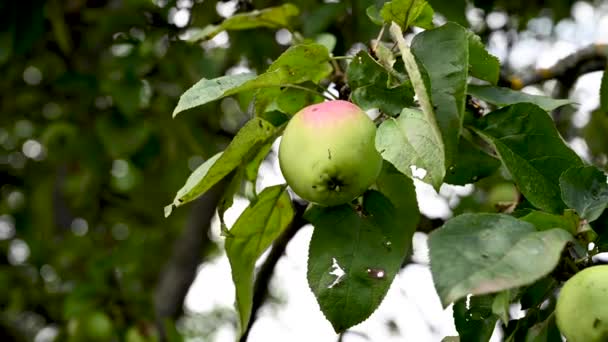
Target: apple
<point x="137" y="334"/>
<point x="94" y="326"/>
<point x="327" y="153"/>
<point x="582" y="306"/>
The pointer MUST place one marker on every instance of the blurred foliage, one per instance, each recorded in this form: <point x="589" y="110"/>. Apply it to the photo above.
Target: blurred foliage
<point x="89" y="153"/>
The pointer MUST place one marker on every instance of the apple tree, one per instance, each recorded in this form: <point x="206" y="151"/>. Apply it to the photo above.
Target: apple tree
<point x="112" y="110"/>
<point x="444" y="116"/>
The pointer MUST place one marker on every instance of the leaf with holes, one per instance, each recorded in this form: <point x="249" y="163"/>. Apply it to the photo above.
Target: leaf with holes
<point x="409" y="143"/>
<point x="354" y="254"/>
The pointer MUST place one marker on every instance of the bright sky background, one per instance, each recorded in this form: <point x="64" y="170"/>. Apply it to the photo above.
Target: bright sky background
<point x="411" y="303"/>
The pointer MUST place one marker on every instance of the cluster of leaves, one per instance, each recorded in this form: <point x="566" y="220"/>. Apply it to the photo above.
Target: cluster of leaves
<point x="481" y="262"/>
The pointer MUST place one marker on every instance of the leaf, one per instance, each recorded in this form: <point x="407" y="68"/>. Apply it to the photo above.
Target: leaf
<point x="191" y="183"/>
<point x="530" y="147"/>
<point x="604" y="92"/>
<point x="501" y="97"/>
<point x="425" y="19"/>
<point x="483" y="65"/>
<point x="585" y="189"/>
<point x="253" y="232"/>
<point x="448" y="73"/>
<point x="285" y="100"/>
<point x="544" y="221"/>
<point x="470" y="164"/>
<point x="398" y="188"/>
<point x="474" y="319"/>
<point x="545" y="331"/>
<point x="271" y="17"/>
<point x="408" y="142"/>
<point x="501" y="305"/>
<point x="245" y="145"/>
<point x="537" y="293"/>
<point x="298" y="64"/>
<point x="205" y="91"/>
<point x="407" y="12"/>
<point x="369" y="83"/>
<point x="251" y="169"/>
<point x="354" y="255"/>
<point x="486" y="253"/>
<point x="374" y="15"/>
<point x="428" y="119"/>
<point x="454" y="10"/>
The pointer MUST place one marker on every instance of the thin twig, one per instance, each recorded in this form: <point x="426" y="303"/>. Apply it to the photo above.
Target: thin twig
<point x="585" y="60"/>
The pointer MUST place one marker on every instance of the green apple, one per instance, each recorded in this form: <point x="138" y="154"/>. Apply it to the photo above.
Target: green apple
<point x="327" y="153"/>
<point x="95" y="326"/>
<point x="135" y="334"/>
<point x="582" y="306"/>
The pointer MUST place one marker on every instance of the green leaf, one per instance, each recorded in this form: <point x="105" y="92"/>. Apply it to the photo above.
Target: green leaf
<point x="545" y="331"/>
<point x="408" y="142"/>
<point x="604" y="92"/>
<point x="355" y="254"/>
<point x="251" y="169"/>
<point x="501" y="305"/>
<point x="470" y="164"/>
<point x="474" y="319"/>
<point x="537" y="293"/>
<point x="205" y="91"/>
<point x="286" y="100"/>
<point x="501" y="97"/>
<point x="369" y="83"/>
<point x="530" y="147"/>
<point x="448" y="73"/>
<point x="425" y="19"/>
<point x="271" y="17"/>
<point x="569" y="221"/>
<point x="398" y="188"/>
<point x="454" y="10"/>
<point x="407" y="12"/>
<point x="298" y="64"/>
<point x="245" y="145"/>
<point x="585" y="189"/>
<point x="257" y="227"/>
<point x="427" y="120"/>
<point x="483" y="65"/>
<point x="451" y="339"/>
<point x="191" y="183"/>
<point x="486" y="253"/>
<point x="374" y="15"/>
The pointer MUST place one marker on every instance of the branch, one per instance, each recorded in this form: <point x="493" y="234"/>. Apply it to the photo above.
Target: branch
<point x="180" y="270"/>
<point x="588" y="59"/>
<point x="264" y="275"/>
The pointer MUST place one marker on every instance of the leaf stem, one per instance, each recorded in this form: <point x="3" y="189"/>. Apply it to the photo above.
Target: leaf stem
<point x="295" y="86"/>
<point x="337" y="58"/>
<point x="377" y="41"/>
